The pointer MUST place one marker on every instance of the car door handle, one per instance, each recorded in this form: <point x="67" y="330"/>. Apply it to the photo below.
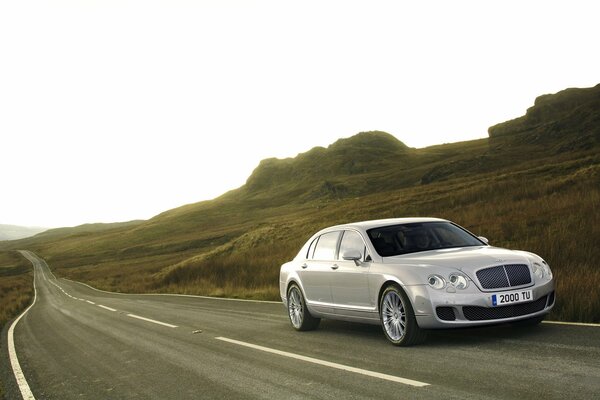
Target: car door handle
<point x="335" y="266"/>
<point x="304" y="266"/>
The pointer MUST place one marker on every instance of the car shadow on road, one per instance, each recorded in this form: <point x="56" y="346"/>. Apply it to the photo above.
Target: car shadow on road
<point x="439" y="338"/>
<point x="484" y="335"/>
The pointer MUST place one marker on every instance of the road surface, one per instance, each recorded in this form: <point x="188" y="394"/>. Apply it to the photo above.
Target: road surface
<point x="80" y="343"/>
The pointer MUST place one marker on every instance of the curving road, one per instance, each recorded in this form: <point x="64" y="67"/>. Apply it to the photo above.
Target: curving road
<point x="80" y="343"/>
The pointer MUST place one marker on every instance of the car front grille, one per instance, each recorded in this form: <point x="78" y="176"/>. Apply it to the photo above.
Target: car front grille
<point x="476" y="313"/>
<point x="445" y="313"/>
<point x="504" y="276"/>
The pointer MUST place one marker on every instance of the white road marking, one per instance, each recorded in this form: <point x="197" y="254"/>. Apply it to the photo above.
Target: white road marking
<point x="106" y="308"/>
<point x="151" y="320"/>
<point x="572" y="323"/>
<point x="91" y="302"/>
<point x="175" y="295"/>
<point x="373" y="374"/>
<point x="12" y="352"/>
<point x="14" y="361"/>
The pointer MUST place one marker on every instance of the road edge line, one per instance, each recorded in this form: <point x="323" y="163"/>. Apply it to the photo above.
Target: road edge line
<point x="12" y="352"/>
<point x="588" y="324"/>
<point x="174" y="294"/>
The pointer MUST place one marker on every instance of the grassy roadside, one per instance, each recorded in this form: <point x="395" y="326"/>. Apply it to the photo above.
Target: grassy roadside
<point x="16" y="288"/>
<point x="16" y="285"/>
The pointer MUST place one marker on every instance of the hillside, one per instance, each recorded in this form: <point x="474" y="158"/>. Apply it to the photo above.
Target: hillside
<point x="568" y="120"/>
<point x="340" y="170"/>
<point x="535" y="184"/>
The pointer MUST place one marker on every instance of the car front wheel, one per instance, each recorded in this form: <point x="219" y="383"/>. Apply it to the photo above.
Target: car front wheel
<point x="299" y="315"/>
<point x="398" y="318"/>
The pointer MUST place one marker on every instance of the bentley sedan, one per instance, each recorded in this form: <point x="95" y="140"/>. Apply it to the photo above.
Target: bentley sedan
<point x="411" y="275"/>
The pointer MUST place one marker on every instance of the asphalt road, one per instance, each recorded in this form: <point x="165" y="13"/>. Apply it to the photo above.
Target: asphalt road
<point x="80" y="343"/>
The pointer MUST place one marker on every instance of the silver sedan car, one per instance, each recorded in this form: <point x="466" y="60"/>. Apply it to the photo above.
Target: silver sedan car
<point x="410" y="275"/>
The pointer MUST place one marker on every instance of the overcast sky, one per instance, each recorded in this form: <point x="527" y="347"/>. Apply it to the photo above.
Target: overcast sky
<point x="119" y="110"/>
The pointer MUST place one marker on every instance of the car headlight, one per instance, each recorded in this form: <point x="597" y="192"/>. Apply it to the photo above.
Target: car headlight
<point x="547" y="269"/>
<point x="538" y="271"/>
<point x="459" y="281"/>
<point x="436" y="282"/>
<point x="541" y="270"/>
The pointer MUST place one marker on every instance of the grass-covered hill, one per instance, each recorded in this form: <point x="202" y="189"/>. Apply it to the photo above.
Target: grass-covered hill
<point x="534" y="184"/>
<point x="568" y="120"/>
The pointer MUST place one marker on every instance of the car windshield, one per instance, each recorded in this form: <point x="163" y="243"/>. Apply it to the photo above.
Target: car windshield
<point x="415" y="237"/>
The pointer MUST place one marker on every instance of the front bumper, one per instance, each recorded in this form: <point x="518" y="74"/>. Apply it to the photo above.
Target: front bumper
<point x="472" y="307"/>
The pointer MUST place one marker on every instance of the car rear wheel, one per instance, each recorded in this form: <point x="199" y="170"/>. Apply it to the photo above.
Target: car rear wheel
<point x="300" y="317"/>
<point x="398" y="318"/>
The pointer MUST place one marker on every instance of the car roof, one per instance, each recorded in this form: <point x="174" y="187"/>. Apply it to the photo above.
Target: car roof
<point x="377" y="223"/>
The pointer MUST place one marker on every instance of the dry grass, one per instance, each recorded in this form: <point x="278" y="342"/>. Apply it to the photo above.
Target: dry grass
<point x="246" y="268"/>
<point x="16" y="288"/>
<point x="16" y="285"/>
<point x="558" y="222"/>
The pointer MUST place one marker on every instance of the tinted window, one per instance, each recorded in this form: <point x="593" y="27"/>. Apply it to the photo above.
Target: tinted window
<point x="326" y="246"/>
<point x="352" y="241"/>
<point x="412" y="238"/>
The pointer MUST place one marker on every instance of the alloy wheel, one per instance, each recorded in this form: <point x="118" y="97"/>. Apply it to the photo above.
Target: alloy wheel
<point x="393" y="315"/>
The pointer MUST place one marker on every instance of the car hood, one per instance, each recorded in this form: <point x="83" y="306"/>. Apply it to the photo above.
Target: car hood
<point x="465" y="259"/>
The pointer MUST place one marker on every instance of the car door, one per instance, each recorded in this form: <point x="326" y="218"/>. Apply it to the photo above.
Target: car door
<point x="349" y="281"/>
<point x="315" y="271"/>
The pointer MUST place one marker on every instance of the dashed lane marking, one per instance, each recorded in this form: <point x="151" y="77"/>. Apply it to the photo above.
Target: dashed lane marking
<point x="330" y="364"/>
<point x="152" y="320"/>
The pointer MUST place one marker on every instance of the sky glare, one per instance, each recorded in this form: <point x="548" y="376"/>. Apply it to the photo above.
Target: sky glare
<point x="119" y="110"/>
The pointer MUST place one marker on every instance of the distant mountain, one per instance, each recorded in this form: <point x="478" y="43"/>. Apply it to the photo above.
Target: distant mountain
<point x="13" y="232"/>
<point x="85" y="229"/>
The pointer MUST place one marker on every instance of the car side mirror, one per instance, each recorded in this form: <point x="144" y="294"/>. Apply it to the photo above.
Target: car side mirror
<point x="483" y="239"/>
<point x="352" y="254"/>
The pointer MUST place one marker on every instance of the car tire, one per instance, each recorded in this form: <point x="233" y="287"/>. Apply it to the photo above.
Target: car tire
<point x="398" y="318"/>
<point x="300" y="317"/>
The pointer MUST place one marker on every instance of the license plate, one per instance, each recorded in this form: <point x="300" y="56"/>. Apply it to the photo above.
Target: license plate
<point x="519" y="296"/>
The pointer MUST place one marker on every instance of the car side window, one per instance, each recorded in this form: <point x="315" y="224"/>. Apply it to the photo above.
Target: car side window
<point x="326" y="246"/>
<point x="311" y="249"/>
<point x="352" y="241"/>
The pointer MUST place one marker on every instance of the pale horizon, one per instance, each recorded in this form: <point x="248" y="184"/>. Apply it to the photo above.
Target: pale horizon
<point x="119" y="110"/>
